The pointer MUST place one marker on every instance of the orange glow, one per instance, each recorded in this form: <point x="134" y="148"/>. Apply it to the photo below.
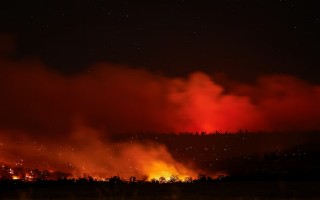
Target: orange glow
<point x="16" y="177"/>
<point x="158" y="169"/>
<point x="98" y="159"/>
<point x="29" y="177"/>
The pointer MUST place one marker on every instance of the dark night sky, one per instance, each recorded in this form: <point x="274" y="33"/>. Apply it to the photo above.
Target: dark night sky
<point x="243" y="39"/>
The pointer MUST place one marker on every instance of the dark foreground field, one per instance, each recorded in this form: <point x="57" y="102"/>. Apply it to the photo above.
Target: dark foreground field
<point x="208" y="190"/>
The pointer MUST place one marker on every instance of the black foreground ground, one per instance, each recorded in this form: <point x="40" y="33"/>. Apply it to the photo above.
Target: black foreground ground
<point x="205" y="190"/>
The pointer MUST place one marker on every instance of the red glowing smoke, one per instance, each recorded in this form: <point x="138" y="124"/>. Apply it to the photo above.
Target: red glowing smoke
<point x="120" y="99"/>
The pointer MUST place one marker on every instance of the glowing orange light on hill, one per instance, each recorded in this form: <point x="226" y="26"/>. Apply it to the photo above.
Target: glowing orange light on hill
<point x="158" y="169"/>
<point x="29" y="177"/>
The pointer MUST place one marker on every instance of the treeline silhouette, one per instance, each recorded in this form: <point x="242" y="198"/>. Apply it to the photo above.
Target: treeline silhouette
<point x="202" y="188"/>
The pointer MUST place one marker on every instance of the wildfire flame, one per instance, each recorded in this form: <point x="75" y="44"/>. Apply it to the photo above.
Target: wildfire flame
<point x="90" y="156"/>
<point x="160" y="169"/>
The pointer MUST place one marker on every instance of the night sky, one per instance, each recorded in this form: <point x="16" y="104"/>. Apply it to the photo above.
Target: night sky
<point x="239" y="39"/>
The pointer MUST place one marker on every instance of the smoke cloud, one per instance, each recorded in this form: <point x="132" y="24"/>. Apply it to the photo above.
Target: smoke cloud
<point x="120" y="99"/>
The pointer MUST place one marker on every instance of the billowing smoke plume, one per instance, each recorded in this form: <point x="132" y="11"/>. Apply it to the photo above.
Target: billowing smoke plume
<point x="38" y="104"/>
<point x="120" y="99"/>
